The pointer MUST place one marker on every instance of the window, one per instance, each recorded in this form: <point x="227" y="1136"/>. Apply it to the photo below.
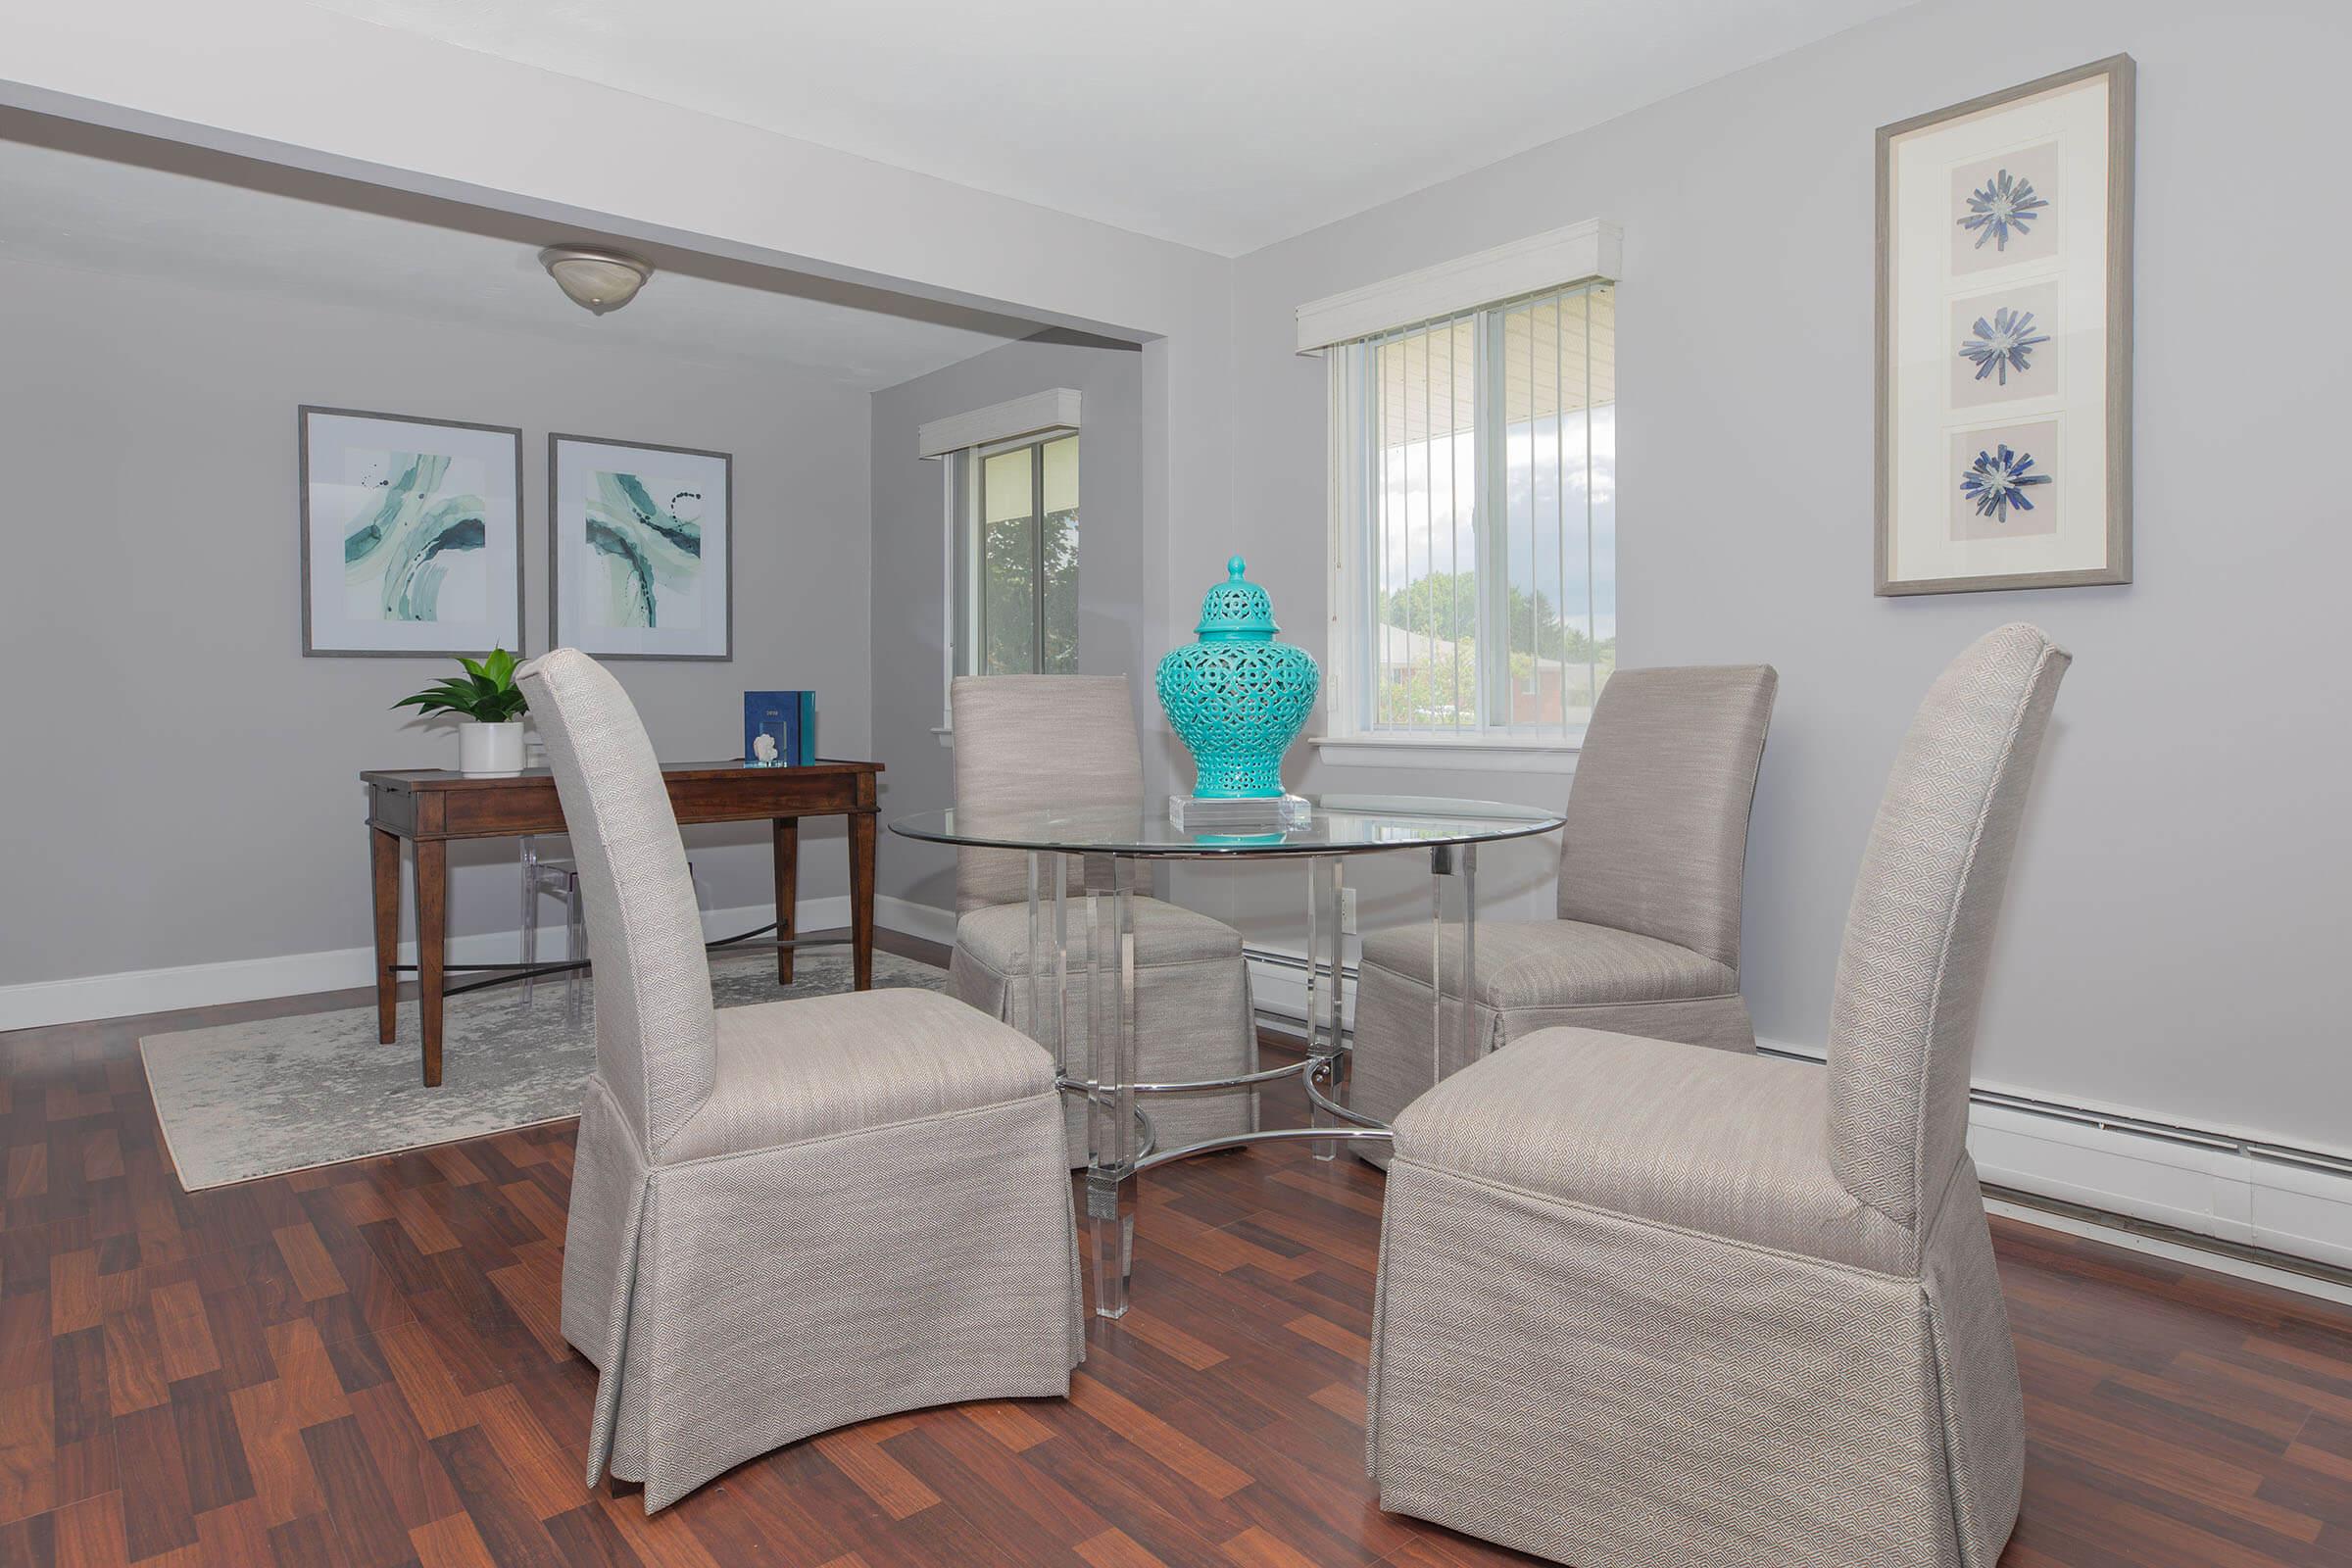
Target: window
<point x="1474" y="543"/>
<point x="1026" y="565"/>
<point x="1008" y="548"/>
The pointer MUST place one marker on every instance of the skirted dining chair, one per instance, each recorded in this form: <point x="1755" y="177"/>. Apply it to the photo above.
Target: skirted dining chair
<point x="1647" y="942"/>
<point x="791" y="1216"/>
<point x="1652" y="1306"/>
<point x="1031" y="743"/>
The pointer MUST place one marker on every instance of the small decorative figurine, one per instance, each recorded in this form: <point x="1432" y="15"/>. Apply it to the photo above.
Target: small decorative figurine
<point x="1236" y="697"/>
<point x="763" y="749"/>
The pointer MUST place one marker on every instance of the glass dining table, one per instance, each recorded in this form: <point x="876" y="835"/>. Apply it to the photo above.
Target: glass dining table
<point x="1099" y="952"/>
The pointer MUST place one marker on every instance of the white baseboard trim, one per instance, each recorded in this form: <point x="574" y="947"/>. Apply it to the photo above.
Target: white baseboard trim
<point x="39" y="1003"/>
<point x="2173" y="1251"/>
<point x="912" y="920"/>
<point x="2227" y="1184"/>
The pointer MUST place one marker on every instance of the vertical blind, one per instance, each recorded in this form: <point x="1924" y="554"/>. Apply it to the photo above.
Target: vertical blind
<point x="1482" y="509"/>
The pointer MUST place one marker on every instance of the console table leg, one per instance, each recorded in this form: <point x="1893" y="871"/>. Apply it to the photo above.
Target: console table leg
<point x="383" y="866"/>
<point x="861" y="897"/>
<point x="433" y="930"/>
<point x="788" y="884"/>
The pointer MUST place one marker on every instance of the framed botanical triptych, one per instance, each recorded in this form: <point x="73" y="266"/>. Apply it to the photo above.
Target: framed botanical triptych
<point x="2005" y="341"/>
<point x="640" y="550"/>
<point x="411" y="534"/>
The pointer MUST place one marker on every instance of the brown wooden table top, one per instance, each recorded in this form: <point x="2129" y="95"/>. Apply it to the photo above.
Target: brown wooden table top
<point x="447" y="778"/>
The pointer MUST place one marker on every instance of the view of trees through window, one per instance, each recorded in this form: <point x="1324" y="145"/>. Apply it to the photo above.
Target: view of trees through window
<point x="1428" y="654"/>
<point x="1489" y="448"/>
<point x="1028" y="537"/>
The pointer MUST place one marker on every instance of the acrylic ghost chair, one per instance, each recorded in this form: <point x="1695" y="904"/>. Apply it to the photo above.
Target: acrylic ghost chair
<point x="558" y="877"/>
<point x="791" y="1216"/>
<point x="1653" y="1306"/>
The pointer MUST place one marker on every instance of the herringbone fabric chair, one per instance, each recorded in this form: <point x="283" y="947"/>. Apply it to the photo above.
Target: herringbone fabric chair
<point x="788" y="1217"/>
<point x="1652" y="1306"/>
<point x="1646" y="941"/>
<point x="1026" y="743"/>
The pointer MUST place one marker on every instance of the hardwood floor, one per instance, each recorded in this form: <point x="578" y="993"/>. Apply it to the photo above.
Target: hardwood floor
<point x="360" y="1366"/>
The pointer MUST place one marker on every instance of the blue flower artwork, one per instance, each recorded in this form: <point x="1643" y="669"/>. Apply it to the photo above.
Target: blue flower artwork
<point x="2005" y="343"/>
<point x="2006" y="207"/>
<point x="1997" y="481"/>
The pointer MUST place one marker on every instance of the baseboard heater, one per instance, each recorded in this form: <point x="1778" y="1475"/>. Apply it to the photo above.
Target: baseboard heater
<point x="1284" y="1011"/>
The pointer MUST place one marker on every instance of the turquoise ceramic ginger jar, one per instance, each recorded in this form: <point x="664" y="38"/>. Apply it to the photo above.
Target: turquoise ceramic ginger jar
<point x="1236" y="697"/>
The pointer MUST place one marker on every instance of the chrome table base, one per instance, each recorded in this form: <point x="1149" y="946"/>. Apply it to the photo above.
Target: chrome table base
<point x="1119" y="1141"/>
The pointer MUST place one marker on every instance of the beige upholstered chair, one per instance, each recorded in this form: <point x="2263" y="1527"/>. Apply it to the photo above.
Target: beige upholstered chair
<point x="1034" y="742"/>
<point x="1652" y="1306"/>
<point x="1651" y="863"/>
<point x="786" y="1217"/>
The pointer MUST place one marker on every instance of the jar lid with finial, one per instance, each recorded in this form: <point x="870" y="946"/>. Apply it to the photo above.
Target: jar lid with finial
<point x="1236" y="609"/>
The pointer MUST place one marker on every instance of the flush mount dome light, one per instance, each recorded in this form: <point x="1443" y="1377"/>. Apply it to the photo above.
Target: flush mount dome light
<point x="596" y="280"/>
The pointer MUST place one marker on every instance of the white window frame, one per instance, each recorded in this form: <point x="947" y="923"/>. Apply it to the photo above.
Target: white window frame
<point x="1590" y="252"/>
<point x="957" y="443"/>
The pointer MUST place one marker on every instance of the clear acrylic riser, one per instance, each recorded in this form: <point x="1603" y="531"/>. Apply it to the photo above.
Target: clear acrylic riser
<point x="1278" y="814"/>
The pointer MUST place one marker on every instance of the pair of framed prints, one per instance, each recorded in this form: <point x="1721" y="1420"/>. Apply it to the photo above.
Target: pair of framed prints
<point x="412" y="541"/>
<point x="2004" y="339"/>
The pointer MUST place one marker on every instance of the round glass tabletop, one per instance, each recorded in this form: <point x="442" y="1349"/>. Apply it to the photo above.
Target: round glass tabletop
<point x="1358" y="824"/>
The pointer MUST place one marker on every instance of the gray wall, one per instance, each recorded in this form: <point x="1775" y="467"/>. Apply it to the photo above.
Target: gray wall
<point x="180" y="784"/>
<point x="909" y="622"/>
<point x="2176" y="920"/>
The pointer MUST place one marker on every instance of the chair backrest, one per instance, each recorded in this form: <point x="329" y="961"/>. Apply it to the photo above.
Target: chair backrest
<point x="1032" y="742"/>
<point x="1656" y="841"/>
<point x="1919" y="935"/>
<point x="656" y="1030"/>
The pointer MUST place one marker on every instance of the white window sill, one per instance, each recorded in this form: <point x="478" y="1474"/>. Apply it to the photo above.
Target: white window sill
<point x="1482" y="755"/>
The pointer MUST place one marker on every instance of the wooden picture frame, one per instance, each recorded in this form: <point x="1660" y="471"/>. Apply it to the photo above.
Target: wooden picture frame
<point x="672" y="565"/>
<point x="2005" y="374"/>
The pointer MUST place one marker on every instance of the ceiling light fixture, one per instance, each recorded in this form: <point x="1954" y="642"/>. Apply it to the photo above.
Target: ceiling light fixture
<point x="596" y="280"/>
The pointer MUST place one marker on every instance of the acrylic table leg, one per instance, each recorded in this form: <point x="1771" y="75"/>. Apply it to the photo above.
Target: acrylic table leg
<point x="1441" y="867"/>
<point x="1325" y="999"/>
<point x="861" y="897"/>
<point x="383" y="868"/>
<point x="1061" y="962"/>
<point x="1036" y="1018"/>
<point x="1469" y="1000"/>
<point x="1457" y="865"/>
<point x="788" y="891"/>
<point x="1111" y="1143"/>
<point x="432" y="931"/>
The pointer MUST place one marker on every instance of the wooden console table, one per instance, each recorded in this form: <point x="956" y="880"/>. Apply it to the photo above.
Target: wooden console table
<point x="431" y="807"/>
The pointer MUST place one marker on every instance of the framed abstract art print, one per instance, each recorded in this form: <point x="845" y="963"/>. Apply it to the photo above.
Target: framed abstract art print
<point x="411" y="534"/>
<point x="640" y="550"/>
<point x="2004" y="340"/>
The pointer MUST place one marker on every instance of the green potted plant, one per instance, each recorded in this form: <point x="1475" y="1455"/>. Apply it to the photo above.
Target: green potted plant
<point x="489" y="708"/>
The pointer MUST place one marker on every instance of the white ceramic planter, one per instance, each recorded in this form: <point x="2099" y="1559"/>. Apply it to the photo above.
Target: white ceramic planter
<point x="489" y="749"/>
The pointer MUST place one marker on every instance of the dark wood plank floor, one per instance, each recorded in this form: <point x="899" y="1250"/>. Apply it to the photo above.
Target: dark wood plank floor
<point x="360" y="1367"/>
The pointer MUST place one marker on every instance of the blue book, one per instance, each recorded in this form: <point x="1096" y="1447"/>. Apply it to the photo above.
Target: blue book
<point x="787" y="718"/>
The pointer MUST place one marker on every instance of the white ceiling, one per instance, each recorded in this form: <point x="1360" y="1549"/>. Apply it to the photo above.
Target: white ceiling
<point x="1225" y="125"/>
<point x="68" y="208"/>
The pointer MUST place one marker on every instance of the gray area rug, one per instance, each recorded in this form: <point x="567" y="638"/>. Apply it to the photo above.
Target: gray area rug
<point x="247" y="1100"/>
